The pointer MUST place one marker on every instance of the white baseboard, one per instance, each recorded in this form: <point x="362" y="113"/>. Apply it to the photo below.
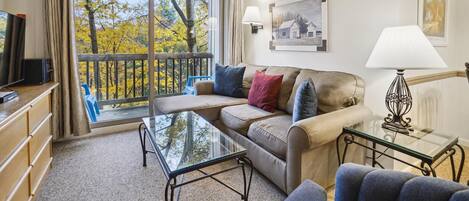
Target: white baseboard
<point x="105" y="131"/>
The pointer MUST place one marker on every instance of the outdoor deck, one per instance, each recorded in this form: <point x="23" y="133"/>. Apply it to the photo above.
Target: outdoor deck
<point x="123" y="113"/>
<point x="122" y="80"/>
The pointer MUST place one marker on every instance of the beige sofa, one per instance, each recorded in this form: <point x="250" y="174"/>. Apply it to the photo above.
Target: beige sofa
<point x="285" y="152"/>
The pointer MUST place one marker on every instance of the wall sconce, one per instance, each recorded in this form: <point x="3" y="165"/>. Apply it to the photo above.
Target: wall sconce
<point x="252" y="16"/>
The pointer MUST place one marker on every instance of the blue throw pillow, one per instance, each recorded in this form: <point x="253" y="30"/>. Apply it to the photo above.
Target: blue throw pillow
<point x="229" y="81"/>
<point x="306" y="101"/>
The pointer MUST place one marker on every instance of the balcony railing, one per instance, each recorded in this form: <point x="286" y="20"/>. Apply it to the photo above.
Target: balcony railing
<point x="123" y="78"/>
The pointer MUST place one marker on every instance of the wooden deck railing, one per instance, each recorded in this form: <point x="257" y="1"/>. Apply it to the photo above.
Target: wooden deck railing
<point x="123" y="78"/>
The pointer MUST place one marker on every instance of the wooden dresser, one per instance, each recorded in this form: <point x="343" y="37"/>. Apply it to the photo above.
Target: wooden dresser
<point x="25" y="141"/>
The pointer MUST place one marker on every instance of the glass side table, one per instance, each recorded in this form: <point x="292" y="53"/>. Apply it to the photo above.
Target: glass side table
<point x="429" y="147"/>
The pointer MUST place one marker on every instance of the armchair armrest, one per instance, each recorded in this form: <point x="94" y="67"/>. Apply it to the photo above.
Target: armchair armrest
<point x="322" y="129"/>
<point x="204" y="87"/>
<point x="308" y="190"/>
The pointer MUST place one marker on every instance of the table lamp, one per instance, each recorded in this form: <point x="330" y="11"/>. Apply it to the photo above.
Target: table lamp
<point x="402" y="48"/>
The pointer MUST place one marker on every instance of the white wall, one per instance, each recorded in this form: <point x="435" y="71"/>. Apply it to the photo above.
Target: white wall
<point x="35" y="24"/>
<point x="354" y="27"/>
<point x="462" y="32"/>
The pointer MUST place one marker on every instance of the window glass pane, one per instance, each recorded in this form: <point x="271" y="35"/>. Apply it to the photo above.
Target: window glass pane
<point x="112" y="40"/>
<point x="112" y="44"/>
<point x="178" y="30"/>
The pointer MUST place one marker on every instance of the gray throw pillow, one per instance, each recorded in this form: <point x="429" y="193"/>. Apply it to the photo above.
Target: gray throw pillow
<point x="306" y="101"/>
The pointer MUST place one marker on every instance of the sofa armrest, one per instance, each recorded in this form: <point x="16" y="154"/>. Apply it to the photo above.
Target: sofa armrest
<point x="308" y="136"/>
<point x="322" y="129"/>
<point x="308" y="191"/>
<point x="204" y="87"/>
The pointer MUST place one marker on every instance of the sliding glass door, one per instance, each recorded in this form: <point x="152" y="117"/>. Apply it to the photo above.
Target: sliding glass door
<point x="113" y="41"/>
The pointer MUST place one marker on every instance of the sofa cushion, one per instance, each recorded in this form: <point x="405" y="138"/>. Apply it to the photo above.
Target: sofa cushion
<point x="172" y="104"/>
<point x="335" y="90"/>
<point x="229" y="81"/>
<point x="289" y="77"/>
<point x="271" y="134"/>
<point x="240" y="117"/>
<point x="249" y="76"/>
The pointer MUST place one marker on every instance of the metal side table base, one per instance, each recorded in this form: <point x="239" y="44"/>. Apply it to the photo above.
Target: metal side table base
<point x="427" y="166"/>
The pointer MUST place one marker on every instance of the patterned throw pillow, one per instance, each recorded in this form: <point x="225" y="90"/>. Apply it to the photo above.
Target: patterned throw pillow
<point x="306" y="101"/>
<point x="264" y="91"/>
<point x="229" y="81"/>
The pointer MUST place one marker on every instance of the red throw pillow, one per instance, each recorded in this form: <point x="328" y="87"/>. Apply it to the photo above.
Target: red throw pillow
<point x="264" y="91"/>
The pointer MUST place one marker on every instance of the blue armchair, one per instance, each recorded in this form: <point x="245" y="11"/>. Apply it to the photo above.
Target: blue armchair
<point x="361" y="183"/>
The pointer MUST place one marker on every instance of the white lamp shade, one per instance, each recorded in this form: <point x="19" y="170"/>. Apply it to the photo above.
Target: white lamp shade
<point x="404" y="47"/>
<point x="252" y="15"/>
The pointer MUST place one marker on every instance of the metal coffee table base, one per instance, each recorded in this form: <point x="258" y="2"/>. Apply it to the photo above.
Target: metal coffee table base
<point x="172" y="185"/>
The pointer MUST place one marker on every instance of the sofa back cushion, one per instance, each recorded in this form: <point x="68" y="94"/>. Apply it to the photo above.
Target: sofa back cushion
<point x="289" y="77"/>
<point x="249" y="75"/>
<point x="335" y="90"/>
<point x="356" y="183"/>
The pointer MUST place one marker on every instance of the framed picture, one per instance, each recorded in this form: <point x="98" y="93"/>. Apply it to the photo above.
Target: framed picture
<point x="433" y="19"/>
<point x="299" y="25"/>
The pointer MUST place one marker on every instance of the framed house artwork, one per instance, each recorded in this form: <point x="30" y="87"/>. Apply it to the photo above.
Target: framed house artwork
<point x="433" y="18"/>
<point x="299" y="25"/>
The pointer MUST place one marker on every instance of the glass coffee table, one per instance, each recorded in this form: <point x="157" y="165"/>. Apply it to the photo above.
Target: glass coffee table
<point x="429" y="147"/>
<point x="185" y="142"/>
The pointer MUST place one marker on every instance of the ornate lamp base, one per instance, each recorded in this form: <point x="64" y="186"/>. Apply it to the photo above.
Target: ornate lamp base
<point x="399" y="103"/>
<point x="396" y="127"/>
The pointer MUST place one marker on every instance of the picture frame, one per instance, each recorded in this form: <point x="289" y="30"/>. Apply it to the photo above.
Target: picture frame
<point x="433" y="19"/>
<point x="299" y="25"/>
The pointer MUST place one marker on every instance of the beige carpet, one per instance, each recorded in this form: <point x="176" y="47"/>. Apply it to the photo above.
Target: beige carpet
<point x="110" y="168"/>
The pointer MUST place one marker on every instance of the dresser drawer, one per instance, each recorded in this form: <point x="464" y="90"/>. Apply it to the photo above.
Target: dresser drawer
<point x="40" y="166"/>
<point x="39" y="112"/>
<point x="22" y="192"/>
<point x="12" y="171"/>
<point x="40" y="137"/>
<point x="11" y="135"/>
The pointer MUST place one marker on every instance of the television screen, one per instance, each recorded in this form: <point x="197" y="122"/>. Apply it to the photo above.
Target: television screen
<point x="12" y="39"/>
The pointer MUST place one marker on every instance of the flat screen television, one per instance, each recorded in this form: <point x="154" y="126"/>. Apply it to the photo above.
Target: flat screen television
<point x="12" y="40"/>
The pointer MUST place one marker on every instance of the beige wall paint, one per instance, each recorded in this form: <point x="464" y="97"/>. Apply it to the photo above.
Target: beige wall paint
<point x="35" y="24"/>
<point x="354" y="27"/>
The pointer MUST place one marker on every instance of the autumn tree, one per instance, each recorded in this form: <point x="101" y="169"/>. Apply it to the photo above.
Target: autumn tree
<point x="105" y="25"/>
<point x="92" y="25"/>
